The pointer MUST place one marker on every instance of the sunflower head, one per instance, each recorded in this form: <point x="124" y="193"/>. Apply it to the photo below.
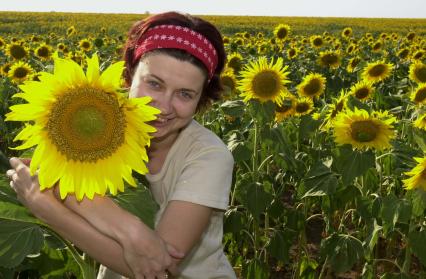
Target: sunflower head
<point x="316" y="41"/>
<point x="421" y="122"/>
<point x="263" y="81"/>
<point x="19" y="72"/>
<point x="352" y="64"/>
<point x="417" y="72"/>
<point x="5" y="68"/>
<point x="235" y="61"/>
<point x="377" y="46"/>
<point x="362" y="90"/>
<point x="410" y="36"/>
<point x="377" y="71"/>
<point x="292" y="53"/>
<point x="88" y="135"/>
<point x="418" y="96"/>
<point x="418" y="55"/>
<point x="417" y="179"/>
<point x="85" y="45"/>
<point x="312" y="86"/>
<point x="347" y="32"/>
<point x="304" y="105"/>
<point x="363" y="130"/>
<point x="16" y="51"/>
<point x="282" y="31"/>
<point x="330" y="59"/>
<point x="403" y="53"/>
<point x="2" y="43"/>
<point x="228" y="81"/>
<point x="43" y="52"/>
<point x="71" y="31"/>
<point x="286" y="109"/>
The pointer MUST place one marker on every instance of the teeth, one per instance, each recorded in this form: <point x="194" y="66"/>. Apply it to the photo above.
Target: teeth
<point x="162" y="120"/>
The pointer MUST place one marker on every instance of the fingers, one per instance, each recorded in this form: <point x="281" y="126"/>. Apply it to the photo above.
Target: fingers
<point x="26" y="161"/>
<point x="19" y="166"/>
<point x="174" y="252"/>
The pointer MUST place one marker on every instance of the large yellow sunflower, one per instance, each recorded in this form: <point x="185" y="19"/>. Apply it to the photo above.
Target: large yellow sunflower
<point x="418" y="175"/>
<point x="363" y="130"/>
<point x="417" y="72"/>
<point x="362" y="90"/>
<point x="19" y="72"/>
<point x="418" y="96"/>
<point x="88" y="135"/>
<point x="377" y="71"/>
<point x="421" y="122"/>
<point x="264" y="81"/>
<point x="312" y="85"/>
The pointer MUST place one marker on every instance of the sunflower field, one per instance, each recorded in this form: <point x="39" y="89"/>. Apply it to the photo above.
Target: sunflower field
<point x="325" y="118"/>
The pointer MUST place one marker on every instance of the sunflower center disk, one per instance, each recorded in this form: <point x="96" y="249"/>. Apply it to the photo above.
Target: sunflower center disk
<point x="420" y="95"/>
<point x="302" y="107"/>
<point x="377" y="70"/>
<point x="20" y="72"/>
<point x="363" y="131"/>
<point x="313" y="87"/>
<point x="266" y="84"/>
<point x="86" y="124"/>
<point x="421" y="74"/>
<point x="362" y="93"/>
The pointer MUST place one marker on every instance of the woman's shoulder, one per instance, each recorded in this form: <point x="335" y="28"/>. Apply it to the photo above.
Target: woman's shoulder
<point x="199" y="138"/>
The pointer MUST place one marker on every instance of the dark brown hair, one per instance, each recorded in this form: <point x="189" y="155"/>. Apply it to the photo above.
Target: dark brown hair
<point x="212" y="90"/>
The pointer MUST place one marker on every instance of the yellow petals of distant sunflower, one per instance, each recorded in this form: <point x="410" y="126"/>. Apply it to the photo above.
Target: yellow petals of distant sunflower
<point x="304" y="105"/>
<point x="88" y="135"/>
<point x="418" y="176"/>
<point x="363" y="130"/>
<point x="286" y="109"/>
<point x="330" y="59"/>
<point x="377" y="71"/>
<point x="263" y="81"/>
<point x="312" y="86"/>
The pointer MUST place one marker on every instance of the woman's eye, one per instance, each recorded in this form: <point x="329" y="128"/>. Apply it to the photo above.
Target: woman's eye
<point x="186" y="95"/>
<point x="153" y="84"/>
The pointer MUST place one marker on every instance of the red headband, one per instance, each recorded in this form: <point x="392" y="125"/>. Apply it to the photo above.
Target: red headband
<point x="174" y="36"/>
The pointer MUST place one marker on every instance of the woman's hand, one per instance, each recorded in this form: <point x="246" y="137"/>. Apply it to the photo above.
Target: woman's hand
<point x="148" y="255"/>
<point x="27" y="188"/>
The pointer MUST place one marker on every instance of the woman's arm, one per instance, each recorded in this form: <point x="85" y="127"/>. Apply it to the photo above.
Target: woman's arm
<point x="66" y="223"/>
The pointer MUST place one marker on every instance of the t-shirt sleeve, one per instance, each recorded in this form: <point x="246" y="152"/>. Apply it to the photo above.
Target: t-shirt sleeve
<point x="206" y="179"/>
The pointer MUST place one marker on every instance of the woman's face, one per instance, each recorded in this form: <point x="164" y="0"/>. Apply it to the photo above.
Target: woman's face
<point x="175" y="87"/>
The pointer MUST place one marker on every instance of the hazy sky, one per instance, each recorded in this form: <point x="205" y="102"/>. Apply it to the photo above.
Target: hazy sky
<point x="333" y="8"/>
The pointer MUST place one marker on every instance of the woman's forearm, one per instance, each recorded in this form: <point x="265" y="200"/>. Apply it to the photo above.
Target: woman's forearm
<point x="110" y="219"/>
<point x="74" y="228"/>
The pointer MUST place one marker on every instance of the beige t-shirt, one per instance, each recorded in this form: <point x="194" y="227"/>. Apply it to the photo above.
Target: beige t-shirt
<point x="197" y="169"/>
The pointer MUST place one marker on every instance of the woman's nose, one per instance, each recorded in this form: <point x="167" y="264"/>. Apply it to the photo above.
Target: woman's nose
<point x="163" y="103"/>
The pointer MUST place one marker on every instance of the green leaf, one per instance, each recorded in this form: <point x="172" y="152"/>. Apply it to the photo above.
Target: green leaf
<point x="373" y="236"/>
<point x="308" y="126"/>
<point x="280" y="243"/>
<point x="420" y="138"/>
<point x="343" y="251"/>
<point x="418" y="198"/>
<point x="138" y="201"/>
<point x="234" y="108"/>
<point x="257" y="200"/>
<point x="17" y="240"/>
<point x="417" y="242"/>
<point x="308" y="268"/>
<point x="351" y="163"/>
<point x="256" y="270"/>
<point x="234" y="221"/>
<point x="319" y="181"/>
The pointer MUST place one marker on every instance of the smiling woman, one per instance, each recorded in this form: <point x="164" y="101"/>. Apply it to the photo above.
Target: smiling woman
<point x="174" y="60"/>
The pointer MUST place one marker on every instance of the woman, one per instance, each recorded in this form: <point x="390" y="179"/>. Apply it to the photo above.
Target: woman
<point x="176" y="59"/>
